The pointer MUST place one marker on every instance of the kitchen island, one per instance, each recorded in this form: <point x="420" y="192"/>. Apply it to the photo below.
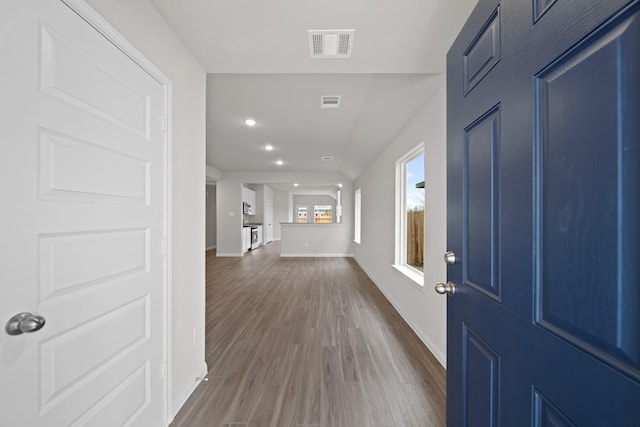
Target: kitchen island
<point x="315" y="240"/>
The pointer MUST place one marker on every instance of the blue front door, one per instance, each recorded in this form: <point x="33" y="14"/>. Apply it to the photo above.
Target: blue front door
<point x="543" y="107"/>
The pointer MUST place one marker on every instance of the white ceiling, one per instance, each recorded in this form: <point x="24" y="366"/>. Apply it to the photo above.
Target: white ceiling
<point x="256" y="53"/>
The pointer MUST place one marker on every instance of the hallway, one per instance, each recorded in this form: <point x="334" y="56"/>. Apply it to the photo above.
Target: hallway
<point x="308" y="342"/>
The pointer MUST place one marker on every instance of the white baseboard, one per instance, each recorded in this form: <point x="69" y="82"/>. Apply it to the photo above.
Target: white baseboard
<point x="440" y="356"/>
<point x="189" y="391"/>
<point x="322" y="255"/>
<point x="210" y="247"/>
<point x="228" y="254"/>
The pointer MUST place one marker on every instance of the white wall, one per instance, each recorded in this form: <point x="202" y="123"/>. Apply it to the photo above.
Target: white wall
<point x="229" y="220"/>
<point x="141" y="24"/>
<point x="423" y="309"/>
<point x="315" y="240"/>
<point x="213" y="174"/>
<point x="303" y="178"/>
<point x="211" y="217"/>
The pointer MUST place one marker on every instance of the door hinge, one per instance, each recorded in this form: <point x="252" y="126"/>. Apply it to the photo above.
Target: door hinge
<point x="165" y="247"/>
<point x="165" y="123"/>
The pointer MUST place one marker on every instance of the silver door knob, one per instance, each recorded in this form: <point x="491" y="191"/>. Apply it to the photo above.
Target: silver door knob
<point x="449" y="288"/>
<point x="24" y="323"/>
<point x="450" y="257"/>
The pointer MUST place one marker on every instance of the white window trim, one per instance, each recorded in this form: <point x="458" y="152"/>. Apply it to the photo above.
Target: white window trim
<point x="414" y="274"/>
<point x="357" y="222"/>
<point x="315" y="207"/>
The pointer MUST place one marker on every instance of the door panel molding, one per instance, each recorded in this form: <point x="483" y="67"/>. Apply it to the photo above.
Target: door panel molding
<point x="62" y="374"/>
<point x="131" y="111"/>
<point x="483" y="53"/>
<point x="547" y="414"/>
<point x="59" y="168"/>
<point x="481" y="189"/>
<point x="540" y="7"/>
<point x="110" y="33"/>
<point x="581" y="207"/>
<point x="126" y="394"/>
<point x="480" y="376"/>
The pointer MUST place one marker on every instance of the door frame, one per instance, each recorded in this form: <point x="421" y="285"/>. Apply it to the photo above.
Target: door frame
<point x="103" y="27"/>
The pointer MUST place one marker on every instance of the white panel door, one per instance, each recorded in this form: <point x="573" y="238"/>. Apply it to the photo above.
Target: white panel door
<point x="83" y="221"/>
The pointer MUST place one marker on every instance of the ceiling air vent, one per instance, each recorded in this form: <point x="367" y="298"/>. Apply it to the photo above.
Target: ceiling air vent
<point x="330" y="101"/>
<point x="327" y="158"/>
<point x="330" y="43"/>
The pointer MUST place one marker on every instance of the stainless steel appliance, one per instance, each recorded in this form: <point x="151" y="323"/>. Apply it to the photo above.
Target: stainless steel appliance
<point x="247" y="209"/>
<point x="254" y="237"/>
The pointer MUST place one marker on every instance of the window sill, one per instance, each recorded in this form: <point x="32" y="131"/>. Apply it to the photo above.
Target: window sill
<point x="414" y="276"/>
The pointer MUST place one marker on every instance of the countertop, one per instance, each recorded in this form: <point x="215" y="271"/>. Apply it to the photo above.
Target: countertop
<point x="311" y="223"/>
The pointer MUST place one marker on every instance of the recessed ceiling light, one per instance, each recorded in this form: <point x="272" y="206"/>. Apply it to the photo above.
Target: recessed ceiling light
<point x="296" y="184"/>
<point x="268" y="147"/>
<point x="279" y="162"/>
<point x="250" y="122"/>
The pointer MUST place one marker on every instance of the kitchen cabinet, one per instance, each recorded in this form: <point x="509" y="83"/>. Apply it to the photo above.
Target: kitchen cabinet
<point x="249" y="196"/>
<point x="246" y="238"/>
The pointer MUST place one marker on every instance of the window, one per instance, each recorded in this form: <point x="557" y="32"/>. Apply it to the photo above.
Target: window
<point x="410" y="214"/>
<point x="357" y="219"/>
<point x="302" y="213"/>
<point x="322" y="214"/>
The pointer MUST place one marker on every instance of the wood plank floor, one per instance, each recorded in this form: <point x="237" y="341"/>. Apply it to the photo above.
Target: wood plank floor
<point x="308" y="342"/>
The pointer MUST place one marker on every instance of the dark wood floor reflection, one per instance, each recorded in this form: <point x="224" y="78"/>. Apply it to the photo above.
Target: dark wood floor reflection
<point x="309" y="342"/>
